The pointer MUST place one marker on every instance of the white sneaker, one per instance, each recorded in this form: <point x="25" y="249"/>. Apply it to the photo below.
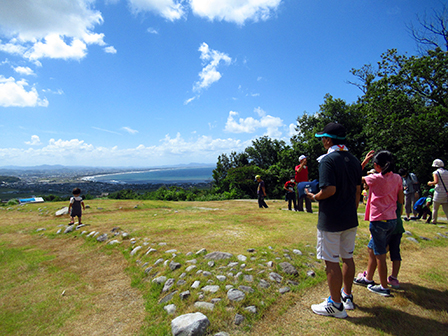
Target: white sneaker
<point x="347" y="301"/>
<point x="327" y="308"/>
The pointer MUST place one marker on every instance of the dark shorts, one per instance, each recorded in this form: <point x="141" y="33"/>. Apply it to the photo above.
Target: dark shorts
<point x="381" y="232"/>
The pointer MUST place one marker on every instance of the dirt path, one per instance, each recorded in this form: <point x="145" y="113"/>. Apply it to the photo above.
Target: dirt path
<point x="418" y="308"/>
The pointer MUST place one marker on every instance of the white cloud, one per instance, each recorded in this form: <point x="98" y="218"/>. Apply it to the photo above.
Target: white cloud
<point x="169" y="9"/>
<point x="199" y="149"/>
<point x="292" y="130"/>
<point x="152" y="30"/>
<point x="250" y="125"/>
<point x="110" y="50"/>
<point x="14" y="93"/>
<point x="209" y="73"/>
<point x="50" y="28"/>
<point x="238" y="11"/>
<point x="55" y="47"/>
<point x="105" y="130"/>
<point x="35" y="141"/>
<point x="25" y="71"/>
<point x="129" y="130"/>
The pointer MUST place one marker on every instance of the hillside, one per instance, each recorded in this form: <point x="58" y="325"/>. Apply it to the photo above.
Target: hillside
<point x="70" y="283"/>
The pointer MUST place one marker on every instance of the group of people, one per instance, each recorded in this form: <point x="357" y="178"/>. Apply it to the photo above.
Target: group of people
<point x="340" y="180"/>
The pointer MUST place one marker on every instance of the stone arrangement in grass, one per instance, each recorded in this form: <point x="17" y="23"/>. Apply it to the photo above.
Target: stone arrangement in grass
<point x="241" y="287"/>
<point x="195" y="283"/>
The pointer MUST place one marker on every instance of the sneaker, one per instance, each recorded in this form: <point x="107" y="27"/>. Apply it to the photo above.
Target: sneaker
<point x="393" y="282"/>
<point x="328" y="308"/>
<point x="377" y="289"/>
<point x="361" y="280"/>
<point x="347" y="300"/>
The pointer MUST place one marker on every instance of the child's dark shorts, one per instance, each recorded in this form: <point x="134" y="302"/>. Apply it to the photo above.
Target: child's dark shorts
<point x="381" y="232"/>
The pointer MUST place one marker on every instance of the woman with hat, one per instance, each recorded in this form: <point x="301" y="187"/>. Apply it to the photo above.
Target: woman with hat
<point x="440" y="182"/>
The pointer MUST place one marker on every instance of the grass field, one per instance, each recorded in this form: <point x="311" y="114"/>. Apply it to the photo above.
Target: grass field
<point x="70" y="284"/>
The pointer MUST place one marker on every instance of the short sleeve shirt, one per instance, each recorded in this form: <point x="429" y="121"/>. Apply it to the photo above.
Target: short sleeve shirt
<point x="339" y="211"/>
<point x="301" y="176"/>
<point x="383" y="191"/>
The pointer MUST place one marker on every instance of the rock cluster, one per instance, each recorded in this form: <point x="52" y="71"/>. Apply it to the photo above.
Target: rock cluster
<point x="205" y="280"/>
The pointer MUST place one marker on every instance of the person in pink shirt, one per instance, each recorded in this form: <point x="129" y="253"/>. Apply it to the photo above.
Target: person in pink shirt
<point x="385" y="190"/>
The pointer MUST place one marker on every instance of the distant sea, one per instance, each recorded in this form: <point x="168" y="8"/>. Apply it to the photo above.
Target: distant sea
<point x="162" y="175"/>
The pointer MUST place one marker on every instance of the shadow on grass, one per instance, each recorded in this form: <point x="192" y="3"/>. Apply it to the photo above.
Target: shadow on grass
<point x="398" y="322"/>
<point x="426" y="298"/>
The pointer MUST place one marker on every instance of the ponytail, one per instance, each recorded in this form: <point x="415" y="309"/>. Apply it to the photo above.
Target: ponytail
<point x="385" y="160"/>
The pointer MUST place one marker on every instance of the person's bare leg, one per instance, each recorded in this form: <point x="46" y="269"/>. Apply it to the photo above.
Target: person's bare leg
<point x="334" y="280"/>
<point x="348" y="273"/>
<point x="371" y="265"/>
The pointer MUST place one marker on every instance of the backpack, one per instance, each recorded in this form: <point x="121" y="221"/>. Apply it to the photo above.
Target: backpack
<point x="419" y="204"/>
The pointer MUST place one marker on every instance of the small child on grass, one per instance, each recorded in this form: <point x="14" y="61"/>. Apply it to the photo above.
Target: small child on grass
<point x="74" y="208"/>
<point x="291" y="193"/>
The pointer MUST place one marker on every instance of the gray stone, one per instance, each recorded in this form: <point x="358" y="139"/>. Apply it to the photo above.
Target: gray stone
<point x="292" y="283"/>
<point x="102" y="237"/>
<point x="41" y="229"/>
<point x="211" y="263"/>
<point x="201" y="251"/>
<point x="297" y="252"/>
<point x="233" y="264"/>
<point x="112" y="242"/>
<point x="181" y="283"/>
<point x="193" y="324"/>
<point x="222" y="333"/>
<point x="135" y="250"/>
<point x="241" y="257"/>
<point x="190" y="268"/>
<point x="235" y="295"/>
<point x="238" y="319"/>
<point x="270" y="263"/>
<point x="204" y="305"/>
<point x="310" y="274"/>
<point x="275" y="277"/>
<point x="288" y="268"/>
<point x="221" y="278"/>
<point x="210" y="288"/>
<point x="264" y="284"/>
<point x="251" y="309"/>
<point x="196" y="284"/>
<point x="125" y="235"/>
<point x="284" y="290"/>
<point x="174" y="265"/>
<point x="184" y="295"/>
<point x="158" y="261"/>
<point x="62" y="212"/>
<point x="170" y="309"/>
<point x="147" y="270"/>
<point x="192" y="261"/>
<point x="160" y="279"/>
<point x="168" y="297"/>
<point x="69" y="229"/>
<point x="171" y="251"/>
<point x="151" y="250"/>
<point x="246" y="289"/>
<point x="206" y="273"/>
<point x="168" y="284"/>
<point x="412" y="239"/>
<point x="218" y="255"/>
<point x="215" y="300"/>
<point x="442" y="235"/>
<point x="248" y="278"/>
<point x="408" y="233"/>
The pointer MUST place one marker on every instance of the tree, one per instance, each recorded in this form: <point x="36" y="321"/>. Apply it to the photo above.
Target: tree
<point x="405" y="108"/>
<point x="433" y="32"/>
<point x="264" y="151"/>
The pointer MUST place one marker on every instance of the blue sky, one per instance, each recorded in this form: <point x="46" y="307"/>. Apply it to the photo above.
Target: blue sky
<point x="161" y="82"/>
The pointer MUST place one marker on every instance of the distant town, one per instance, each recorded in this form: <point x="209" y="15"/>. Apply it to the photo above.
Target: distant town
<point x="23" y="182"/>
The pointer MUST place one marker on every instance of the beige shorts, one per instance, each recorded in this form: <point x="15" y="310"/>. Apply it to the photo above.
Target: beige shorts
<point x="334" y="245"/>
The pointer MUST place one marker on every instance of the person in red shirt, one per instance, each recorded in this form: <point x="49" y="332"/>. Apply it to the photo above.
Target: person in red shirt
<point x="302" y="176"/>
<point x="290" y="193"/>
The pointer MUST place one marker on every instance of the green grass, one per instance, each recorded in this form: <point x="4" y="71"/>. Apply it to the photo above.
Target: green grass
<point x="31" y="285"/>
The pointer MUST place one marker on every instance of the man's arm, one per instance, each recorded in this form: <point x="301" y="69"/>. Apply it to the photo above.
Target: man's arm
<point x="324" y="193"/>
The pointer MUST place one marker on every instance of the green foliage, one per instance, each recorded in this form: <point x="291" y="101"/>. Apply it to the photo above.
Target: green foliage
<point x="404" y="109"/>
<point x="9" y="179"/>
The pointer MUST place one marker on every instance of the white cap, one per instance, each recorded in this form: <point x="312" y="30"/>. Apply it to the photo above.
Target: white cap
<point x="301" y="157"/>
<point x="438" y="163"/>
